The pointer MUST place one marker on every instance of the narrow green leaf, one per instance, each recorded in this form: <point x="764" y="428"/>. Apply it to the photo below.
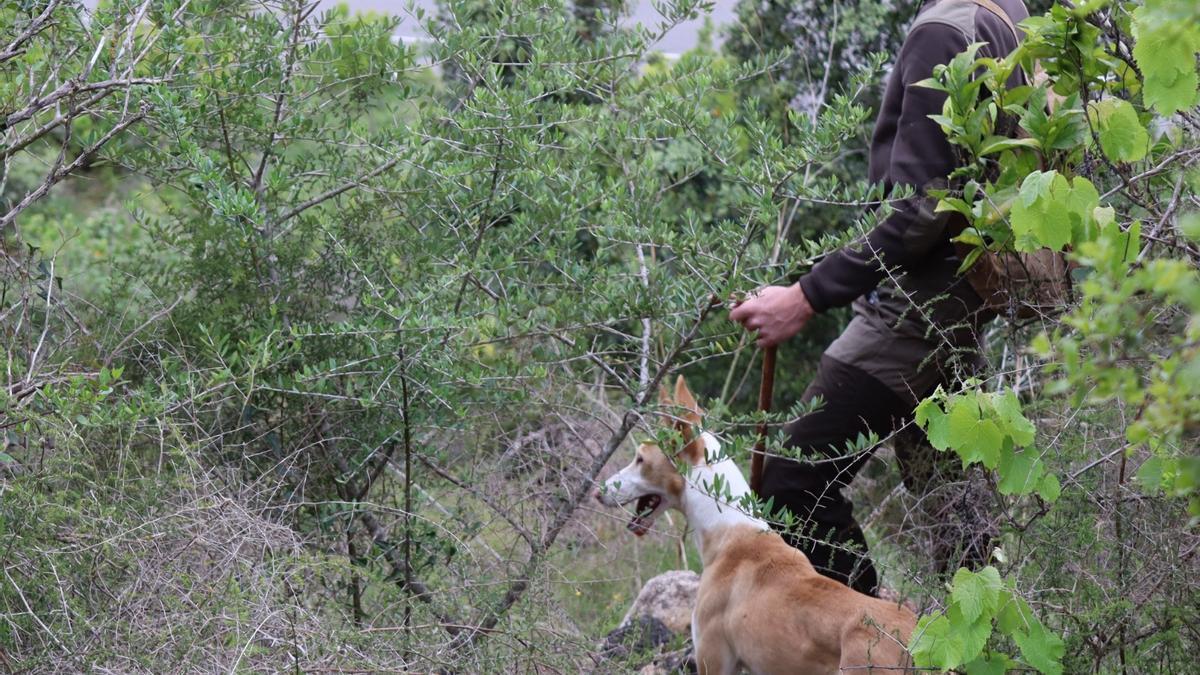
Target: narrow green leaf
<point x="996" y="144"/>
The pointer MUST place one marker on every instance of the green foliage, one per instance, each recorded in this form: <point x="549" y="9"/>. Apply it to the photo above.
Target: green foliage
<point x="1162" y="387"/>
<point x="981" y="606"/>
<point x="1123" y="137"/>
<point x="1052" y="212"/>
<point x="988" y="428"/>
<point x="1168" y="40"/>
<point x="1042" y="187"/>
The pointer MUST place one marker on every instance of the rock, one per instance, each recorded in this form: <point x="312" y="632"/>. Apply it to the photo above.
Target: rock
<point x="661" y="612"/>
<point x="669" y="598"/>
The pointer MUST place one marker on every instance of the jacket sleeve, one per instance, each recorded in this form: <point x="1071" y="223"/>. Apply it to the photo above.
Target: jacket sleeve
<point x="920" y="154"/>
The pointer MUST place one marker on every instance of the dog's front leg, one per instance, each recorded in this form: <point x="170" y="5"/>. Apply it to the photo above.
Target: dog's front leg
<point x="713" y="655"/>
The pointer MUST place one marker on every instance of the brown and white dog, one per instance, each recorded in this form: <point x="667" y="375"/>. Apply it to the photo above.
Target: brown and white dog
<point x="761" y="605"/>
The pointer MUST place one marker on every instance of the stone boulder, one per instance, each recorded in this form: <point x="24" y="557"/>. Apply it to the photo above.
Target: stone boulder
<point x="661" y="612"/>
<point x="669" y="598"/>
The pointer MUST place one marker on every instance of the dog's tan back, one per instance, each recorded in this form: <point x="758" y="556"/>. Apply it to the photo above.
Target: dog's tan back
<point x="763" y="606"/>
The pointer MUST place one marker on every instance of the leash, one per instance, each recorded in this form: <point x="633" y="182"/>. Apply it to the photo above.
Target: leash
<point x="766" y="390"/>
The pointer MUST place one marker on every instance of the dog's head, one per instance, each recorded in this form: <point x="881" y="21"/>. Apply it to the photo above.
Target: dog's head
<point x="652" y="481"/>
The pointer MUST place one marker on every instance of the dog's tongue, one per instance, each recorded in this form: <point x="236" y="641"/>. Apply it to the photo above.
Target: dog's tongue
<point x="640" y="524"/>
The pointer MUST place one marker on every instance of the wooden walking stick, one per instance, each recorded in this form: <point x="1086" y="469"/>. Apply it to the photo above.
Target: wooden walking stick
<point x="766" y="389"/>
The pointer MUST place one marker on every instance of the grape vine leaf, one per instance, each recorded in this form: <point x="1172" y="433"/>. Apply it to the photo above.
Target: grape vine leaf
<point x="975" y="439"/>
<point x="1082" y="201"/>
<point x="1165" y="50"/>
<point x="974" y="634"/>
<point x="929" y="416"/>
<point x="976" y="594"/>
<point x="1122" y="136"/>
<point x="990" y="664"/>
<point x="1020" y="472"/>
<point x="1049" y="487"/>
<point x="936" y="643"/>
<point x="1150" y="474"/>
<point x="1014" y="615"/>
<point x="1040" y="217"/>
<point x="1041" y="649"/>
<point x="1008" y="408"/>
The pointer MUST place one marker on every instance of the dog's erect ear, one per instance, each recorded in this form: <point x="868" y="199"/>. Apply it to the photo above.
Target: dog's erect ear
<point x="668" y="410"/>
<point x="688" y="423"/>
<point x="685" y="400"/>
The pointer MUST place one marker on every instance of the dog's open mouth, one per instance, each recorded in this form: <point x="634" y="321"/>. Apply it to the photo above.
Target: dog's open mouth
<point x="643" y="514"/>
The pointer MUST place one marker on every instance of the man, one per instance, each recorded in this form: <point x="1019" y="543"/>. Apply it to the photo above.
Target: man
<point x="915" y="318"/>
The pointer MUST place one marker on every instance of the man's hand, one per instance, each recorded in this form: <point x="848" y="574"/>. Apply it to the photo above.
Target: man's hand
<point x="776" y="312"/>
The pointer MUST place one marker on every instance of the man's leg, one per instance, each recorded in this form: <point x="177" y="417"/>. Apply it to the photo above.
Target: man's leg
<point x="853" y="403"/>
<point x="952" y="509"/>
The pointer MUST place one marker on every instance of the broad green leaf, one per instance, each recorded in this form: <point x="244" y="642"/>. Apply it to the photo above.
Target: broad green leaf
<point x="1041" y="649"/>
<point x="1046" y="223"/>
<point x="1150" y="474"/>
<point x="974" y="634"/>
<point x="1049" y="488"/>
<point x="929" y="416"/>
<point x="1082" y="201"/>
<point x="936" y="643"/>
<point x="963" y="414"/>
<point x="1008" y="408"/>
<point x="1020" y="472"/>
<point x="1036" y="184"/>
<point x="1123" y="137"/>
<point x="976" y="594"/>
<point x="1166" y="53"/>
<point x="989" y="440"/>
<point x="1053" y="228"/>
<point x="1014" y="615"/>
<point x="1126" y="244"/>
<point x="989" y="664"/>
<point x="974" y="439"/>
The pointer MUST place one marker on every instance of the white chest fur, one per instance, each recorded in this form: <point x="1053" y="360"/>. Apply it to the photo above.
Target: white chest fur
<point x="714" y="494"/>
